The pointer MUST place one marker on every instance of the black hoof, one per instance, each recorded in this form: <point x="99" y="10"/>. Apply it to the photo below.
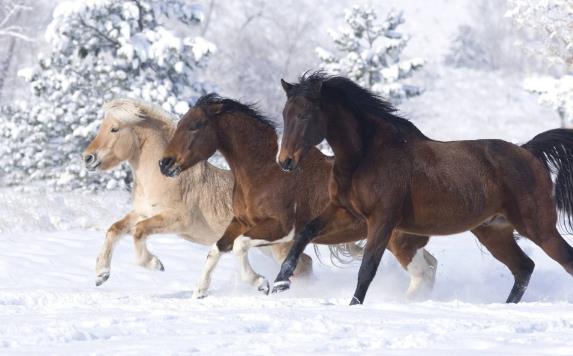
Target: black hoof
<point x="101" y="279"/>
<point x="280" y="286"/>
<point x="264" y="288"/>
<point x="355" y="301"/>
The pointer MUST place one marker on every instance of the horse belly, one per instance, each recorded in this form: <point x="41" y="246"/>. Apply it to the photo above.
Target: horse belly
<point x="445" y="209"/>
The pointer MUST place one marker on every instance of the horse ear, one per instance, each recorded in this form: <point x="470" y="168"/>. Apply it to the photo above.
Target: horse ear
<point x="286" y="86"/>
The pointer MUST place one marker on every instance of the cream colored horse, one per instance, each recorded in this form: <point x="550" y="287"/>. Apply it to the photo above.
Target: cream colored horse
<point x="196" y="205"/>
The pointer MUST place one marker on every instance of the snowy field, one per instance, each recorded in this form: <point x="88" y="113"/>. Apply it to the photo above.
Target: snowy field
<point x="50" y="305"/>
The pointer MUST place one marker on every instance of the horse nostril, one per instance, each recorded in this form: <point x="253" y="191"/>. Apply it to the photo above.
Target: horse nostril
<point x="165" y="163"/>
<point x="287" y="165"/>
<point x="90" y="158"/>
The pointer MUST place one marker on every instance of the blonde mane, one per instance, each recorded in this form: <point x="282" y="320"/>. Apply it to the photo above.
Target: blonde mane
<point x="134" y="111"/>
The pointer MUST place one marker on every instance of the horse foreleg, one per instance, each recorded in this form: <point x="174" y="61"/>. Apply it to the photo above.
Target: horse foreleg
<point x="241" y="248"/>
<point x="160" y="223"/>
<point x="380" y="228"/>
<point x="315" y="227"/>
<point x="114" y="233"/>
<point x="234" y="229"/>
<point x="280" y="252"/>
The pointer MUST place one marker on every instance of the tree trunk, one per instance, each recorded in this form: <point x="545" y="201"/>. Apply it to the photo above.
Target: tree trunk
<point x="5" y="66"/>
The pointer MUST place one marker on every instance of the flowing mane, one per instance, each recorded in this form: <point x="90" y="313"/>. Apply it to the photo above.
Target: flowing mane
<point x="230" y="106"/>
<point x="133" y="111"/>
<point x="360" y="101"/>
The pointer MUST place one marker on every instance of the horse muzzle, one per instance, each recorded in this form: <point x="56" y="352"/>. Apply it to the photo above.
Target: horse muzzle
<point x="91" y="161"/>
<point x="169" y="167"/>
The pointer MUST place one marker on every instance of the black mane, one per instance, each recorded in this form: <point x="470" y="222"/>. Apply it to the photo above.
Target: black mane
<point x="234" y="106"/>
<point x="360" y="101"/>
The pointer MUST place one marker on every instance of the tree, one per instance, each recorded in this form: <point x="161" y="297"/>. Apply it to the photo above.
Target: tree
<point x="369" y="53"/>
<point x="99" y="49"/>
<point x="10" y="32"/>
<point x="550" y="22"/>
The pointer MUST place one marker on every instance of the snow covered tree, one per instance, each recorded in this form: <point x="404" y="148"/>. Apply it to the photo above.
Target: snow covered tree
<point x="99" y="49"/>
<point x="550" y="21"/>
<point x="369" y="53"/>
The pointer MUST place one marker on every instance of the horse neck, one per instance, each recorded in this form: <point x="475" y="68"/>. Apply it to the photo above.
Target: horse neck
<point x="344" y="133"/>
<point x="247" y="144"/>
<point x="152" y="141"/>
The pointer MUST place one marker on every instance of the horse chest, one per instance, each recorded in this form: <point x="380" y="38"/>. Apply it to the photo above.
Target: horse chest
<point x="341" y="191"/>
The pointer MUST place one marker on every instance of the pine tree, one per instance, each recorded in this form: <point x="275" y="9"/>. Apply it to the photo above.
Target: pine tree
<point x="99" y="49"/>
<point x="368" y="52"/>
<point x="550" y="23"/>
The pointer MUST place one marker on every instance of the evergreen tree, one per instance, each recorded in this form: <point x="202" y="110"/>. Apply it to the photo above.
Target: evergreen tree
<point x="368" y="52"/>
<point x="99" y="49"/>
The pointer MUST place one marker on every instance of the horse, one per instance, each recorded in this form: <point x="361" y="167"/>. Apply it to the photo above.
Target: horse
<point x="395" y="178"/>
<point x="270" y="205"/>
<point x="196" y="206"/>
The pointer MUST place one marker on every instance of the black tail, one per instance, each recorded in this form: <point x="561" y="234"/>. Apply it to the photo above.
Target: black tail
<point x="555" y="149"/>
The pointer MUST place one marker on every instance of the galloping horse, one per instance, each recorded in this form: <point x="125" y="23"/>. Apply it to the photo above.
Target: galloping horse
<point x="196" y="205"/>
<point x="270" y="205"/>
<point x="397" y="179"/>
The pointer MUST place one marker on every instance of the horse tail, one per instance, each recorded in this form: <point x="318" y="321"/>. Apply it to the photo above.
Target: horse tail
<point x="554" y="148"/>
<point x="343" y="254"/>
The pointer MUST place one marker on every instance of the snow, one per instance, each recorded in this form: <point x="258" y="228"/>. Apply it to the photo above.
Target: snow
<point x="49" y="303"/>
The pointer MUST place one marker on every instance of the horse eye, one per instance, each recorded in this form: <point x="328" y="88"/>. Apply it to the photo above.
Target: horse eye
<point x="114" y="129"/>
<point x="301" y="116"/>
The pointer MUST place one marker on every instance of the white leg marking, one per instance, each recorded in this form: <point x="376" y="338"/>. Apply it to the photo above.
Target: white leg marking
<point x="205" y="279"/>
<point x="422" y="271"/>
<point x="241" y="247"/>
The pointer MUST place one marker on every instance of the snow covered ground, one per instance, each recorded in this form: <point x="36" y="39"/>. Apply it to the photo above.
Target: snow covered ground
<point x="49" y="303"/>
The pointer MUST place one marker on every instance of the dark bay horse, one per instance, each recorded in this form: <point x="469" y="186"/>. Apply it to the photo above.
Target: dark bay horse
<point x="394" y="177"/>
<point x="270" y="205"/>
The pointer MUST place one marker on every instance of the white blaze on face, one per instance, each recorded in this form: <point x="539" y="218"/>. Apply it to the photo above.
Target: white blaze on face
<point x="279" y="148"/>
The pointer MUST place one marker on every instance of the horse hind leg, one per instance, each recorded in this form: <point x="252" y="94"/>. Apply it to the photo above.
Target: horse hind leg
<point x="416" y="260"/>
<point x="539" y="225"/>
<point x="500" y="242"/>
<point x="553" y="244"/>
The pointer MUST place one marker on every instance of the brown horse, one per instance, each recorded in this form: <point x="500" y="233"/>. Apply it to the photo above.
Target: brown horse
<point x="394" y="177"/>
<point x="195" y="206"/>
<point x="269" y="205"/>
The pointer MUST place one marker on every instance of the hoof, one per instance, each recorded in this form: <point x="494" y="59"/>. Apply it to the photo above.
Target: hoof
<point x="154" y="264"/>
<point x="101" y="278"/>
<point x="281" y="286"/>
<point x="264" y="286"/>
<point x="199" y="294"/>
<point x="355" y="301"/>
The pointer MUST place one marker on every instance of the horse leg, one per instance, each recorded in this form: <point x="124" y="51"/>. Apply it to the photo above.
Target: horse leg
<point x="241" y="250"/>
<point x="234" y="229"/>
<point x="553" y="244"/>
<point x="317" y="226"/>
<point x="416" y="260"/>
<point x="537" y="223"/>
<point x="156" y="224"/>
<point x="379" y="231"/>
<point x="500" y="242"/>
<point x="114" y="233"/>
<point x="280" y="252"/>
